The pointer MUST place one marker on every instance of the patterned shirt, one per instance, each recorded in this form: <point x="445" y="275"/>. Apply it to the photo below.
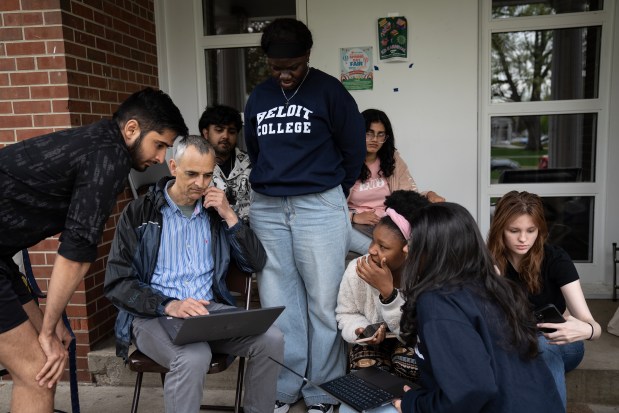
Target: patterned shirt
<point x="65" y="181"/>
<point x="185" y="263"/>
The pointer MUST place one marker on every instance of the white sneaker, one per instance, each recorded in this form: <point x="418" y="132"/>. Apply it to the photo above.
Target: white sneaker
<point x="320" y="408"/>
<point x="281" y="407"/>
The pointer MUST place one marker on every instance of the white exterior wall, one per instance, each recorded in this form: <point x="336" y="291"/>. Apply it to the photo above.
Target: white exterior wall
<point x="434" y="113"/>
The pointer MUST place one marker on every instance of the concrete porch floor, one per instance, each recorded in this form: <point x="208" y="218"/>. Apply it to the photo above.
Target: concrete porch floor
<point x="592" y="388"/>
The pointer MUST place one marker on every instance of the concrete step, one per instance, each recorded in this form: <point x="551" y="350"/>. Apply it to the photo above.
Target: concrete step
<point x="595" y="381"/>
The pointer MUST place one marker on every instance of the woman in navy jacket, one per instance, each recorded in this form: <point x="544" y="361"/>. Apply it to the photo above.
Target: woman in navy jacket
<point x="475" y="337"/>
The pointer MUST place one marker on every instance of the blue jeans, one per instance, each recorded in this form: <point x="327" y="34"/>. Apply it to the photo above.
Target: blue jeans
<point x="561" y="359"/>
<point x="306" y="239"/>
<point x="359" y="242"/>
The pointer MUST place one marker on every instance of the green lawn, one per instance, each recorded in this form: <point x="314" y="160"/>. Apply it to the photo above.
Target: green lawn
<point x="526" y="159"/>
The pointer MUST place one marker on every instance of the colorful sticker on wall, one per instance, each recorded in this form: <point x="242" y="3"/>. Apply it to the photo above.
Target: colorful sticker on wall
<point x="356" y="68"/>
<point x="392" y="38"/>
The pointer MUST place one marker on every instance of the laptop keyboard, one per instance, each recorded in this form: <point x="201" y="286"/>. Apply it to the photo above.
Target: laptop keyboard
<point x="356" y="392"/>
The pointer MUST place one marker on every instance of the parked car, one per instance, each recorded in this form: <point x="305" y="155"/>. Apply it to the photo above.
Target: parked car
<point x="500" y="164"/>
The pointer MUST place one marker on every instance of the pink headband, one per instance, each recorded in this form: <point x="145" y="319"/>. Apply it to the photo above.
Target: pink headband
<point x="401" y="222"/>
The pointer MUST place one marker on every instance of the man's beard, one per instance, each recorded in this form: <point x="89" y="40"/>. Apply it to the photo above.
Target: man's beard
<point x="135" y="151"/>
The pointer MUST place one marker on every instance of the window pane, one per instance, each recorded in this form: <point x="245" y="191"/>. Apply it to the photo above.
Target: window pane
<point x="545" y="65"/>
<point x="517" y="8"/>
<point x="570" y="224"/>
<point x="243" y="16"/>
<point x="543" y="148"/>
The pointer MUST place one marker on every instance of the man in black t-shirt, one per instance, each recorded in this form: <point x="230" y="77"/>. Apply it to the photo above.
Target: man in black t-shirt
<point x="66" y="182"/>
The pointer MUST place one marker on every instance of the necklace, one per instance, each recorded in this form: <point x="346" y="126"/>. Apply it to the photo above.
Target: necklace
<point x="295" y="92"/>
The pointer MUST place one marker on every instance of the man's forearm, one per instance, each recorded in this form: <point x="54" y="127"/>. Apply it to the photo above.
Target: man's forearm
<point x="65" y="278"/>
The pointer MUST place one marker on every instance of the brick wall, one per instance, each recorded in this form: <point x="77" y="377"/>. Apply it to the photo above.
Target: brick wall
<point x="67" y="63"/>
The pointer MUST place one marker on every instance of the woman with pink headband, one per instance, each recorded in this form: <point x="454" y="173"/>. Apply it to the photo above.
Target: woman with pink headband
<point x="369" y="290"/>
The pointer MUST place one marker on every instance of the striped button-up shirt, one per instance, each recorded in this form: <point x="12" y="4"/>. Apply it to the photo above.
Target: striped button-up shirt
<point x="185" y="263"/>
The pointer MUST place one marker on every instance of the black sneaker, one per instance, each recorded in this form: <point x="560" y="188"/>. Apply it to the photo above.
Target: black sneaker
<point x="320" y="408"/>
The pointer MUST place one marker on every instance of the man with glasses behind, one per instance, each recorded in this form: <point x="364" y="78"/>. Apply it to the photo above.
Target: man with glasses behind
<point x="220" y="125"/>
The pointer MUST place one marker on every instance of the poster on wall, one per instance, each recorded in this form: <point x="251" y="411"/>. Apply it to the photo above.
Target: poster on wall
<point x="356" y="68"/>
<point x="392" y="38"/>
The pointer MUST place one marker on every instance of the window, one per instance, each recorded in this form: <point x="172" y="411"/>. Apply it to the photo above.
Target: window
<point x="233" y="61"/>
<point x="543" y="111"/>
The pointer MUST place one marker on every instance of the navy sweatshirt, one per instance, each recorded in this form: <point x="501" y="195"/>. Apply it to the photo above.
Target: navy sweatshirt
<point x="463" y="366"/>
<point x="315" y="144"/>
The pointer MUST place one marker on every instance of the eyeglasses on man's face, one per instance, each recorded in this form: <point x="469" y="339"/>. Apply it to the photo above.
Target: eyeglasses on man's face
<point x="380" y="137"/>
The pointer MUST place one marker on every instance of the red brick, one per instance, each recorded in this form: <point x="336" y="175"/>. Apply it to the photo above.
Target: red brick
<point x="29" y="78"/>
<point x="7" y="135"/>
<point x="74" y="22"/>
<point x="76" y="311"/>
<point x="23" y="19"/>
<point x="58" y="78"/>
<point x="50" y="62"/>
<point x="75" y="49"/>
<point x="60" y="106"/>
<point x="6" y="107"/>
<point x="4" y="79"/>
<point x="11" y="34"/>
<point x="88" y="93"/>
<point x="44" y="32"/>
<point x="96" y="55"/>
<point x="48" y="244"/>
<point x="37" y="258"/>
<point x="53" y="47"/>
<point x="15" y="121"/>
<point x="25" y="48"/>
<point x="103" y="109"/>
<point x="39" y="4"/>
<point x="85" y="39"/>
<point x="10" y="93"/>
<point x="7" y="64"/>
<point x="79" y="106"/>
<point x="81" y="10"/>
<point x="23" y="134"/>
<point x="51" y="92"/>
<point x="32" y="106"/>
<point x="50" y="120"/>
<point x="9" y="5"/>
<point x="52" y="17"/>
<point x="25" y="63"/>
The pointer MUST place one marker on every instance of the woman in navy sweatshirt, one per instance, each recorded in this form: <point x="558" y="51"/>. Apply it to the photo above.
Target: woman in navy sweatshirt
<point x="475" y="336"/>
<point x="306" y="141"/>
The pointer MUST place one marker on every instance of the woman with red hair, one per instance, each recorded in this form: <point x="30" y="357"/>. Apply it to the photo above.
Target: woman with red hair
<point x="517" y="240"/>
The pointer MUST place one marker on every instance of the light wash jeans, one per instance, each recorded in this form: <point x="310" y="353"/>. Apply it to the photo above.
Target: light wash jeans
<point x="188" y="364"/>
<point x="561" y="359"/>
<point x="359" y="242"/>
<point x="306" y="239"/>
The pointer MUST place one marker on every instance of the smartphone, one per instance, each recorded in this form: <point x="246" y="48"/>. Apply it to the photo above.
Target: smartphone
<point x="369" y="332"/>
<point x="548" y="314"/>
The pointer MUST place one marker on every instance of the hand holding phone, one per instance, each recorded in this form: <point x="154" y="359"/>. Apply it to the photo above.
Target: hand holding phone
<point x="369" y="332"/>
<point x="548" y="314"/>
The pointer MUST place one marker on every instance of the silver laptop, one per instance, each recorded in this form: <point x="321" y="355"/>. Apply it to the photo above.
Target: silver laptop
<point x="364" y="389"/>
<point x="219" y="325"/>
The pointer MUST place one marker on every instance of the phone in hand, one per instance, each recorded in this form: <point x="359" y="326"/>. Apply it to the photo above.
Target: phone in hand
<point x="548" y="314"/>
<point x="368" y="332"/>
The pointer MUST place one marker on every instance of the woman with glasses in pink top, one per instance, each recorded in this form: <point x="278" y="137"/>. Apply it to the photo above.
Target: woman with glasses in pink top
<point x="383" y="172"/>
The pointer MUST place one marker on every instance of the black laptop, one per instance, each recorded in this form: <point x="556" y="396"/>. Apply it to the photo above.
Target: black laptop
<point x="219" y="325"/>
<point x="364" y="389"/>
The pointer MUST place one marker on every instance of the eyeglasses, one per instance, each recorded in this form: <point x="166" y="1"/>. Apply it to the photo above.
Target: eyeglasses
<point x="380" y="137"/>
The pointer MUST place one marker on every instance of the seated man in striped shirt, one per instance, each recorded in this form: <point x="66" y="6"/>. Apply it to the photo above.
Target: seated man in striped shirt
<point x="170" y="256"/>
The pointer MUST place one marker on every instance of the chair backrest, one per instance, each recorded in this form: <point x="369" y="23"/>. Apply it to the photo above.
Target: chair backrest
<point x="239" y="283"/>
<point x="150" y="176"/>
